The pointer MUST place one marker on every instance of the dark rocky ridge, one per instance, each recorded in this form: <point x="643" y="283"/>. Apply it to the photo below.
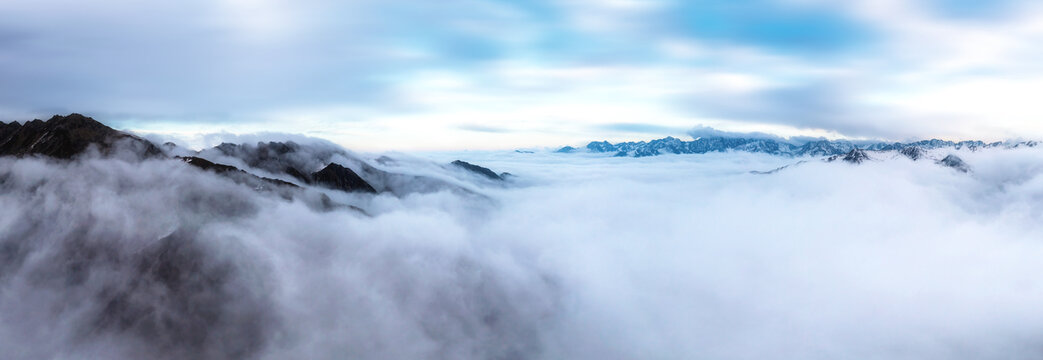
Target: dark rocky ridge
<point x="483" y="171"/>
<point x="955" y="162"/>
<point x="337" y="177"/>
<point x="292" y="159"/>
<point x="66" y="137"/>
<point x="856" y="156"/>
<point x="63" y="137"/>
<point x="285" y="189"/>
<point x="912" y="152"/>
<point x="278" y="157"/>
<point x="209" y="166"/>
<point x="776" y="170"/>
<point x="303" y="162"/>
<point x="236" y="174"/>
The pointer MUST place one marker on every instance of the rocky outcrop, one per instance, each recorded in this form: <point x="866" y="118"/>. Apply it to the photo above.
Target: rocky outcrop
<point x="63" y="137"/>
<point x="955" y="162"/>
<point x="337" y="177"/>
<point x="912" y="152"/>
<point x="479" y="170"/>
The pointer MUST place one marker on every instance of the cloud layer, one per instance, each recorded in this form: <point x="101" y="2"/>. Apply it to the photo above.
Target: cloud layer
<point x="586" y="257"/>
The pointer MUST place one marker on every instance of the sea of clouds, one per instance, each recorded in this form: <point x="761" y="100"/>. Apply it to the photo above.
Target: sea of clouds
<point x="581" y="256"/>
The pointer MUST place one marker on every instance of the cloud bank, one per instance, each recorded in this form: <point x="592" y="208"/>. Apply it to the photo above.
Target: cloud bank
<point x="585" y="257"/>
<point x="492" y="74"/>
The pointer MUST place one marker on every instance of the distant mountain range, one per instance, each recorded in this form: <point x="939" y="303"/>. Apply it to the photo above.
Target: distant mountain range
<point x="282" y="168"/>
<point x="817" y="148"/>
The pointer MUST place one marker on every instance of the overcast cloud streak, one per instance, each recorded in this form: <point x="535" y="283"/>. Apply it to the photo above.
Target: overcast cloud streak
<point x="406" y="75"/>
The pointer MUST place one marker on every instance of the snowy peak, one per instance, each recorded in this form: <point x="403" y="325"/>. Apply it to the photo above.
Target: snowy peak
<point x="855" y="156"/>
<point x="912" y="152"/>
<point x="816" y="148"/>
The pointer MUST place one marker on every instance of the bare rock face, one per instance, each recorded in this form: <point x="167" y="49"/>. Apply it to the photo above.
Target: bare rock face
<point x="238" y="175"/>
<point x="483" y="171"/>
<point x="855" y="156"/>
<point x="63" y="137"/>
<point x="912" y="152"/>
<point x="955" y="162"/>
<point x="338" y="177"/>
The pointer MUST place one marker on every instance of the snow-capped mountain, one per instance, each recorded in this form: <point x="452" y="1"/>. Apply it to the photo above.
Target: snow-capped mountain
<point x="817" y="148"/>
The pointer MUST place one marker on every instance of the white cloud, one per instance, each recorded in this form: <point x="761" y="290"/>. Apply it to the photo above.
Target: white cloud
<point x="950" y="77"/>
<point x="554" y="75"/>
<point x="587" y="257"/>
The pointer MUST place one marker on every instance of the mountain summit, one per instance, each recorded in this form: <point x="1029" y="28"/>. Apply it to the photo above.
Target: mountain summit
<point x="66" y="136"/>
<point x="338" y="177"/>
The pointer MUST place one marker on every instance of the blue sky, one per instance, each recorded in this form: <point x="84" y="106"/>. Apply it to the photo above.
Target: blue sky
<point x="379" y="75"/>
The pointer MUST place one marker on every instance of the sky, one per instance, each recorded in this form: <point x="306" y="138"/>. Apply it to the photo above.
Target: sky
<point x="485" y="74"/>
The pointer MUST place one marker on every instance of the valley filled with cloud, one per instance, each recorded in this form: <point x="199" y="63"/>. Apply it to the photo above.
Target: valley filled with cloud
<point x="582" y="256"/>
<point x="524" y="179"/>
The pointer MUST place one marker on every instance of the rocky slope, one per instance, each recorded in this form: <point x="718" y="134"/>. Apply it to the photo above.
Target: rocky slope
<point x="280" y="167"/>
<point x="63" y="137"/>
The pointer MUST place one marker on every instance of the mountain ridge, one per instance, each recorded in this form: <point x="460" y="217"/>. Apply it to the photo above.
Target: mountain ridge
<point x="258" y="166"/>
<point x="814" y="148"/>
<point x="64" y="137"/>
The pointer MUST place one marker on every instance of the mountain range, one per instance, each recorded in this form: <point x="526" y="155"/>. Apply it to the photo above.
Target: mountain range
<point x="283" y="168"/>
<point x="815" y="148"/>
<point x="286" y="168"/>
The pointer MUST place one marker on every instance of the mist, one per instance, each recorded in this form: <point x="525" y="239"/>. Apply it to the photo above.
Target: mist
<point x="580" y="256"/>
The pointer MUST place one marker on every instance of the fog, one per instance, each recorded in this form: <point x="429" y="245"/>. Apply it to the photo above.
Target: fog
<point x="580" y="256"/>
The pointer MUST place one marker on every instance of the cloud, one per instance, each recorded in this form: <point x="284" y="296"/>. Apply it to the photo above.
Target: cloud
<point x="825" y="272"/>
<point x="640" y="128"/>
<point x="194" y="58"/>
<point x="157" y="259"/>
<point x="702" y="131"/>
<point x="557" y="72"/>
<point x="964" y="9"/>
<point x="483" y="129"/>
<point x="586" y="257"/>
<point x="775" y="25"/>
